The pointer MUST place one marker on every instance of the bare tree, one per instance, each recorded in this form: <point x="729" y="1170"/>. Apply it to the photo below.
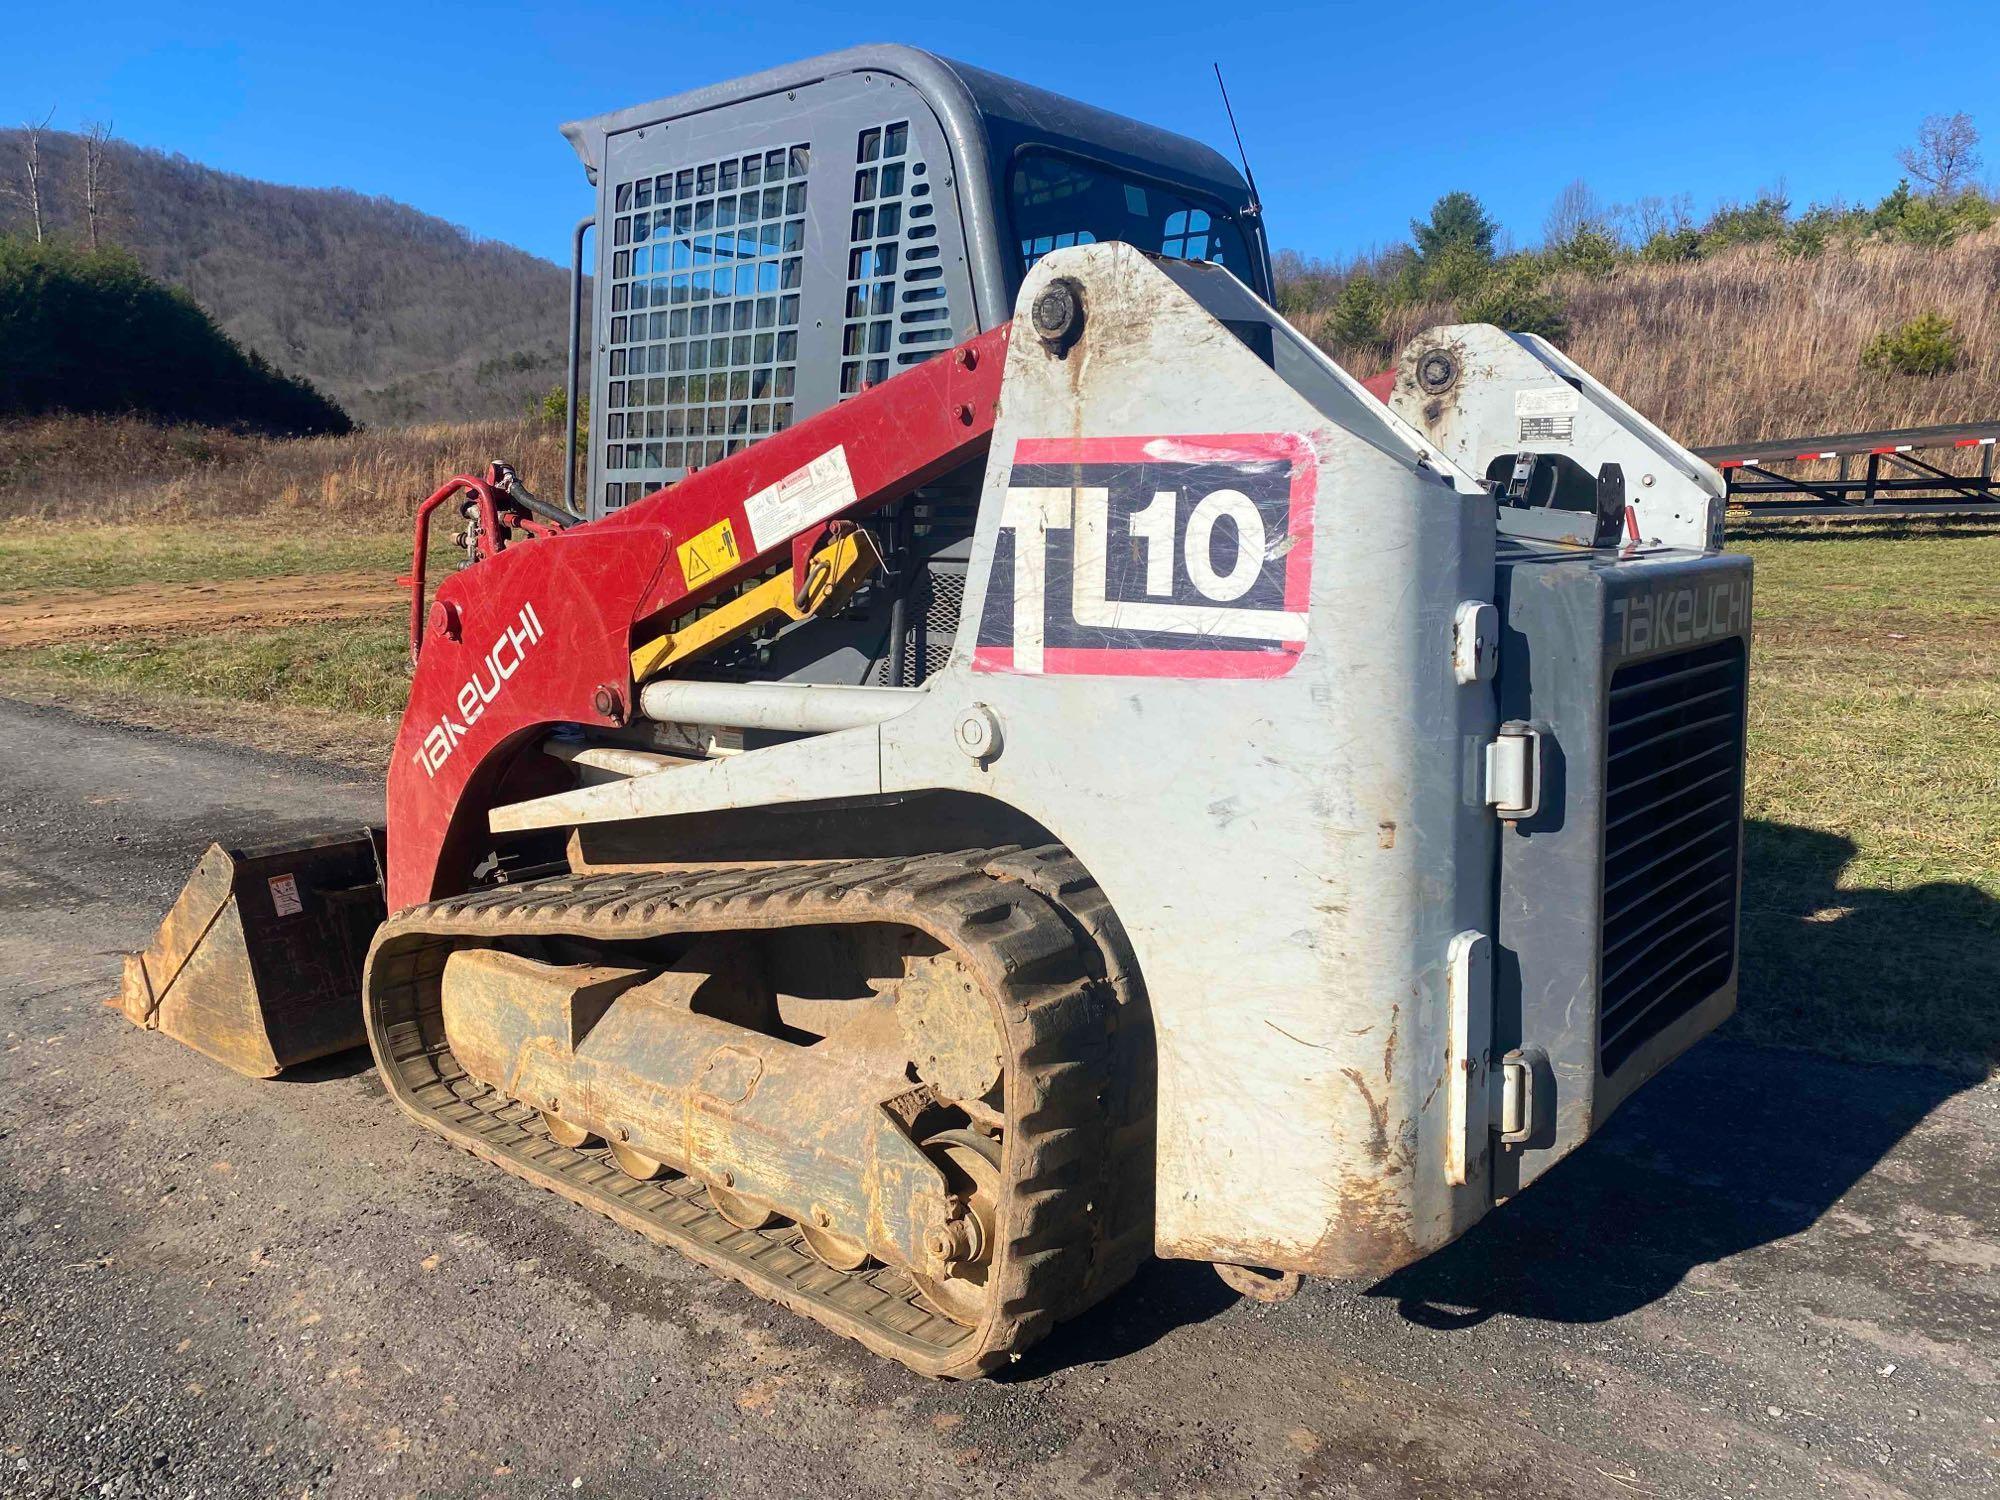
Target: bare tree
<point x="1655" y="215"/>
<point x="1945" y="156"/>
<point x="1576" y="209"/>
<point x="97" y="187"/>
<point x="29" y="191"/>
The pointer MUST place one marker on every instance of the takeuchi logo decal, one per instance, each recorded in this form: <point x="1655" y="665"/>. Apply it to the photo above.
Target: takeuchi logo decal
<point x="502" y="661"/>
<point x="1682" y="616"/>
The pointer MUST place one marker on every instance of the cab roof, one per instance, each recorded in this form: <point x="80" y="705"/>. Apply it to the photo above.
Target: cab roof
<point x="980" y="111"/>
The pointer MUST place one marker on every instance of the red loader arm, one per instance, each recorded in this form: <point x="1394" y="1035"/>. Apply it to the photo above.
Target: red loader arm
<point x="540" y="633"/>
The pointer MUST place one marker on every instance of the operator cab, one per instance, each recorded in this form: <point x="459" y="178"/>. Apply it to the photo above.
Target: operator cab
<point x="770" y="246"/>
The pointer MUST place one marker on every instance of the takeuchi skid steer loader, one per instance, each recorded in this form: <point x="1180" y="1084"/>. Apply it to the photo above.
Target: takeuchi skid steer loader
<point x="1027" y="765"/>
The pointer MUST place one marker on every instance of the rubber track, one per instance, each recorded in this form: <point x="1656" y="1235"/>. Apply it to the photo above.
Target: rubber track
<point x="1027" y="924"/>
<point x="1124" y="1183"/>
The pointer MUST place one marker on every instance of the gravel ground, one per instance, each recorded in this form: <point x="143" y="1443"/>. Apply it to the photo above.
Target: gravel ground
<point x="1770" y="1275"/>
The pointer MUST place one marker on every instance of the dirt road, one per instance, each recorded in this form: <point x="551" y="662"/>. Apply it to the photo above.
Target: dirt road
<point x="85" y="614"/>
<point x="1770" y="1275"/>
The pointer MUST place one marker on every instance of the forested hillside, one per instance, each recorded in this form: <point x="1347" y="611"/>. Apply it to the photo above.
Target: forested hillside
<point x="396" y="315"/>
<point x="1759" y="319"/>
<point x="88" y="333"/>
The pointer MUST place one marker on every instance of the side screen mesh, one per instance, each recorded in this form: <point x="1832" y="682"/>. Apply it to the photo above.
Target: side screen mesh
<point x="706" y="267"/>
<point x="937" y="595"/>
<point x="896" y="311"/>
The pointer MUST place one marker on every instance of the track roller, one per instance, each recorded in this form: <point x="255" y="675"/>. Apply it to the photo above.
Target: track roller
<point x="634" y="1163"/>
<point x="565" y="1133"/>
<point x="744" y="1213"/>
<point x="830" y="1249"/>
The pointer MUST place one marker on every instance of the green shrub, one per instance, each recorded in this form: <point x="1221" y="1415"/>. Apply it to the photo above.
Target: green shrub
<point x="89" y="331"/>
<point x="1931" y="221"/>
<point x="1759" y="223"/>
<point x="1891" y="211"/>
<point x="1515" y="298"/>
<point x="1820" y="226"/>
<point x="1671" y="245"/>
<point x="1404" y="286"/>
<point x="550" y="407"/>
<point x="1926" y="345"/>
<point x="1452" y="272"/>
<point x="1357" y="312"/>
<point x="1590" y="250"/>
<point x="1457" y="220"/>
<point x="1936" y="222"/>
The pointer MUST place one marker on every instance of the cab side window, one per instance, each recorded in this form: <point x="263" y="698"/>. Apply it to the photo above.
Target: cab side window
<point x="1058" y="201"/>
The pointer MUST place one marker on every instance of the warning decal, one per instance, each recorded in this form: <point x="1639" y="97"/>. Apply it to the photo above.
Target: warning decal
<point x="708" y="553"/>
<point x="781" y="511"/>
<point x="1153" y="557"/>
<point x="285" y="895"/>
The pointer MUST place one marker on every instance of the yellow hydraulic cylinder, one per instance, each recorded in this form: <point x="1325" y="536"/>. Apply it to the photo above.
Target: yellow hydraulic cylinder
<point x="835" y="572"/>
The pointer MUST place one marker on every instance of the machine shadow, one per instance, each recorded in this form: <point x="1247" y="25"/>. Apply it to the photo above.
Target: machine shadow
<point x="1708" y="1160"/>
<point x="1165" y="1295"/>
<point x="348" y="1064"/>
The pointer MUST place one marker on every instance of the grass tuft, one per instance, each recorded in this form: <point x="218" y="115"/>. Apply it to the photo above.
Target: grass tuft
<point x="357" y="667"/>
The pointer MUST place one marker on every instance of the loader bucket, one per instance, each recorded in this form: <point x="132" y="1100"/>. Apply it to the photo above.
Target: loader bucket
<point x="258" y="963"/>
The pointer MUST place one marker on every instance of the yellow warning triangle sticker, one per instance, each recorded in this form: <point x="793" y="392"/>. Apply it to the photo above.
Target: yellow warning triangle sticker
<point x="708" y="552"/>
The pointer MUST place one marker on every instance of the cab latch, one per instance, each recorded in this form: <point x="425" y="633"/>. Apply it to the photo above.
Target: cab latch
<point x="1514" y="771"/>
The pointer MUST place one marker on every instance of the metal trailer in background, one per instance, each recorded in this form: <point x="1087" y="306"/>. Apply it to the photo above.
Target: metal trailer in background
<point x="1894" y="481"/>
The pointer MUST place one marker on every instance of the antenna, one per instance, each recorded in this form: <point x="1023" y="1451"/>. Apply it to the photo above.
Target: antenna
<point x="1256" y="206"/>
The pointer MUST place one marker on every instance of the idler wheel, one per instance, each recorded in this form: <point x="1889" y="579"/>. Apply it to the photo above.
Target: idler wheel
<point x="971" y="1165"/>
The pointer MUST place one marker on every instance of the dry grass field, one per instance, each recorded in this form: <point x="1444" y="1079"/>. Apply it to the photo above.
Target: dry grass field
<point x="123" y="469"/>
<point x="1753" y="343"/>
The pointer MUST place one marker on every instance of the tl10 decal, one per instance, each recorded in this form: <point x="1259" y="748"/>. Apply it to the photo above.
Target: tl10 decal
<point x="1152" y="557"/>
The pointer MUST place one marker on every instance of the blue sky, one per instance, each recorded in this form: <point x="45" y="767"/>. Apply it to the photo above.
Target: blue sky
<point x="1356" y="116"/>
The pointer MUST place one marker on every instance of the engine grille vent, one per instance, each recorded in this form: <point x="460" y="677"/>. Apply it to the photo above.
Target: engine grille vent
<point x="1673" y="798"/>
<point x="941" y="618"/>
